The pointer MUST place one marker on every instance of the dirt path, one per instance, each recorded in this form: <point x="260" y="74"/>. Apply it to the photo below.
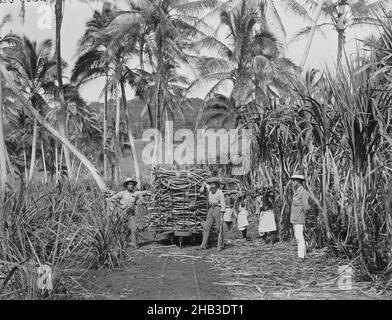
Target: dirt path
<point x="157" y="272"/>
<point x="244" y="270"/>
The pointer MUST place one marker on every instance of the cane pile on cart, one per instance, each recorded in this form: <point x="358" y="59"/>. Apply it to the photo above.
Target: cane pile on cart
<point x="177" y="207"/>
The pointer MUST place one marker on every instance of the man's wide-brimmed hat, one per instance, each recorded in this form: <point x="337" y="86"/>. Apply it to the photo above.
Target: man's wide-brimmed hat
<point x="297" y="177"/>
<point x="214" y="180"/>
<point x="129" y="180"/>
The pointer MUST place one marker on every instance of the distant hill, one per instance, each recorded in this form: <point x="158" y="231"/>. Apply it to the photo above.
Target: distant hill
<point x="139" y="123"/>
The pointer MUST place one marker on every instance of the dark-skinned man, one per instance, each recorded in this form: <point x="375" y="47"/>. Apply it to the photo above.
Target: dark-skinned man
<point x="127" y="200"/>
<point x="216" y="208"/>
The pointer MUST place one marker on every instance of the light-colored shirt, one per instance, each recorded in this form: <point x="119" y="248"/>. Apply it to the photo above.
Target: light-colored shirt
<point x="128" y="199"/>
<point x="216" y="198"/>
<point x="299" y="206"/>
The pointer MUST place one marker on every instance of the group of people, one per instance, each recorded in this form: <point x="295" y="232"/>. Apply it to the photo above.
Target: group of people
<point x="223" y="215"/>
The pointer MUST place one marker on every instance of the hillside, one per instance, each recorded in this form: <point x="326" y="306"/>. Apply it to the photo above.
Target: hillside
<point x="141" y="123"/>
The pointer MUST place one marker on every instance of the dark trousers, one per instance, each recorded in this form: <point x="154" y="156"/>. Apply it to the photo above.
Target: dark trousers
<point x="213" y="216"/>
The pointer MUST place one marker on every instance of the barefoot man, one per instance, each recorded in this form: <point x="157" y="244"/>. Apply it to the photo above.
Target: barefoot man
<point x="127" y="200"/>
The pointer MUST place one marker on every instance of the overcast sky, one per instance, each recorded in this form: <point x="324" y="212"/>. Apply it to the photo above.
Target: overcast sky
<point x="77" y="12"/>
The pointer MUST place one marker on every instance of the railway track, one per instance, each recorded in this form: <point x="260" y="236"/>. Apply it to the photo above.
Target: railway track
<point x="165" y="269"/>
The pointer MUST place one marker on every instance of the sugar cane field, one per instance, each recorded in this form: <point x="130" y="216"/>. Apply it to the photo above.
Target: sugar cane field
<point x="193" y="150"/>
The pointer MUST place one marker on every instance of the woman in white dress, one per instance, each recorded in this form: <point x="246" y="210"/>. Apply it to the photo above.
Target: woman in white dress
<point x="265" y="206"/>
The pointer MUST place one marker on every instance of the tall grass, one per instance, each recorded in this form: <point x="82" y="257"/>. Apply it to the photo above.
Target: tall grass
<point x="355" y="163"/>
<point x="64" y="227"/>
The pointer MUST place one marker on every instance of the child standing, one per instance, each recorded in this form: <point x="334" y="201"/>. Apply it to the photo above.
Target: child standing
<point x="242" y="219"/>
<point x="228" y="216"/>
<point x="267" y="225"/>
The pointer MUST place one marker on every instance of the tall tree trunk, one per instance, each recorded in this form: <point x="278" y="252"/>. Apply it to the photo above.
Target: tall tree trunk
<point x="141" y="62"/>
<point x="61" y="161"/>
<point x="159" y="104"/>
<point x="105" y="131"/>
<point x="130" y="136"/>
<point x="341" y="41"/>
<point x="63" y="111"/>
<point x="312" y="32"/>
<point x="55" y="133"/>
<point x="117" y="133"/>
<point x="158" y="98"/>
<point x="388" y="213"/>
<point x="33" y="151"/>
<point x="341" y="26"/>
<point x="44" y="161"/>
<point x="26" y="174"/>
<point x="169" y="157"/>
<point x="324" y="195"/>
<point x="141" y="53"/>
<point x="3" y="162"/>
<point x="56" y="160"/>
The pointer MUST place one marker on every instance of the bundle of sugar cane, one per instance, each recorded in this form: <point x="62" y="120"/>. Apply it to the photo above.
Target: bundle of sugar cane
<point x="177" y="202"/>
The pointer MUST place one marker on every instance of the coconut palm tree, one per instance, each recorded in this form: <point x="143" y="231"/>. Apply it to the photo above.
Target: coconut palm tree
<point x="250" y="63"/>
<point x="107" y="56"/>
<point x="46" y="125"/>
<point x="3" y="150"/>
<point x="35" y="70"/>
<point x="343" y="15"/>
<point x="269" y="8"/>
<point x="62" y="128"/>
<point x="90" y="64"/>
<point x="172" y="25"/>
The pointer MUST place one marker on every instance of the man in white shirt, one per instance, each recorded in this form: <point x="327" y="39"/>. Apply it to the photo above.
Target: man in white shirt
<point x="216" y="208"/>
<point x="127" y="201"/>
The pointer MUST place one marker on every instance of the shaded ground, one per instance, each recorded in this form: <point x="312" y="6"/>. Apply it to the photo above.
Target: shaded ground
<point x="244" y="270"/>
<point x="156" y="272"/>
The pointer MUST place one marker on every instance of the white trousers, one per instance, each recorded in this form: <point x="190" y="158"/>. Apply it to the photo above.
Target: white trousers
<point x="299" y="236"/>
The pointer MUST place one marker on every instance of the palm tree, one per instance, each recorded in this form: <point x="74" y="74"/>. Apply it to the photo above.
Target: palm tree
<point x="250" y="63"/>
<point x="343" y="14"/>
<point x="35" y="71"/>
<point x="269" y="9"/>
<point x="171" y="25"/>
<point x="90" y="64"/>
<point x="45" y="124"/>
<point x="108" y="57"/>
<point x="3" y="149"/>
<point x="62" y="127"/>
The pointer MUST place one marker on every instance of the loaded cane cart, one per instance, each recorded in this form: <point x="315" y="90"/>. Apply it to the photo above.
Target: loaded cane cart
<point x="178" y="209"/>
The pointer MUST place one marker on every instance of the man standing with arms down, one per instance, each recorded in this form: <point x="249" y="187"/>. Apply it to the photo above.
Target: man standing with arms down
<point x="216" y="209"/>
<point x="127" y="201"/>
<point x="299" y="207"/>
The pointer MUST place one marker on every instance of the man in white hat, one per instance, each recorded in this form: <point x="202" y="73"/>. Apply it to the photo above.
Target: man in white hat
<point x="299" y="207"/>
<point x="216" y="209"/>
<point x="127" y="201"/>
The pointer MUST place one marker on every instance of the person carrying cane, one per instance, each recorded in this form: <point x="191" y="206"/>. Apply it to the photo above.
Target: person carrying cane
<point x="216" y="209"/>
